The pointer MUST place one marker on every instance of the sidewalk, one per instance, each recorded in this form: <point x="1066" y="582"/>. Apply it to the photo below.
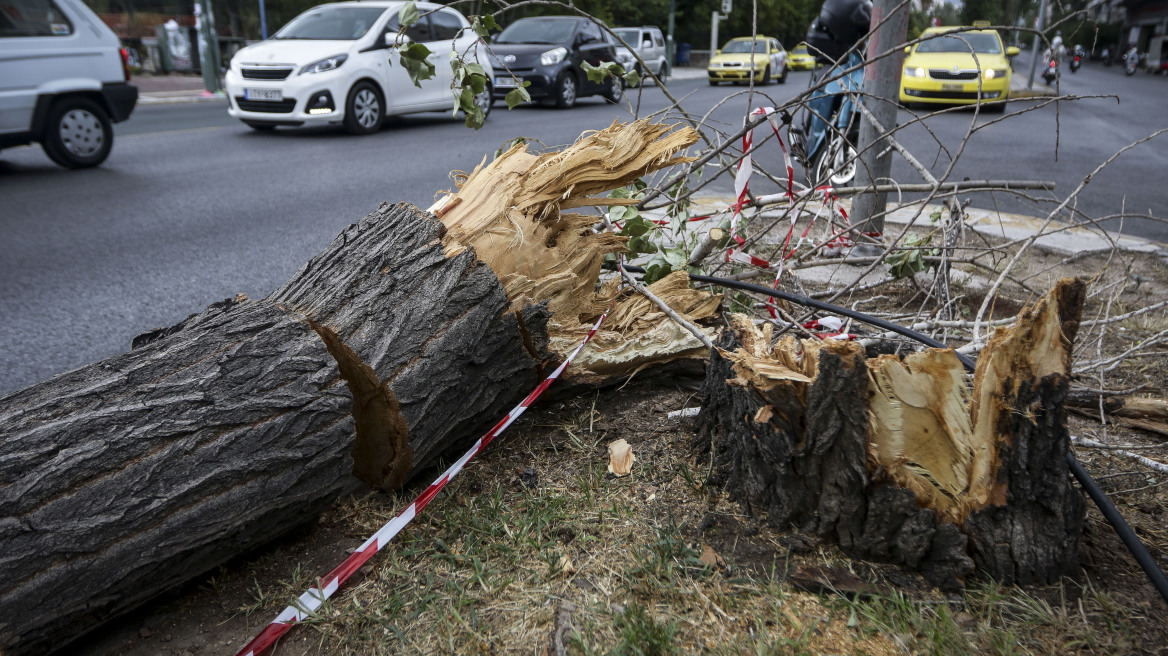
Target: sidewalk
<point x="166" y="89"/>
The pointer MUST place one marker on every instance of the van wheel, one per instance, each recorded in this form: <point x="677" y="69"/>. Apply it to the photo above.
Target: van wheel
<point x="78" y="133"/>
<point x="364" y="109"/>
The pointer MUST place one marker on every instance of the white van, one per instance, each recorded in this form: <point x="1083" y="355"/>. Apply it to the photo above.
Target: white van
<point x="338" y="64"/>
<point x="64" y="79"/>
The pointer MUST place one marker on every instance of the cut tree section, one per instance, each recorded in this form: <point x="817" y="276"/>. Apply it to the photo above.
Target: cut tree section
<point x="897" y="460"/>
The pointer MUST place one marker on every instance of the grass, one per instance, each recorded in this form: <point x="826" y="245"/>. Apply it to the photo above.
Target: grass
<point x="483" y="570"/>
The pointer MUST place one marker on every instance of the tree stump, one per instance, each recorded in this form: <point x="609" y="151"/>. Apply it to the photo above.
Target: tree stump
<point x="897" y="460"/>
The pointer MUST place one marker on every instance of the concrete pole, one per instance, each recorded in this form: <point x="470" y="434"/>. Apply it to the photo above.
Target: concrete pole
<point x="208" y="45"/>
<point x="670" y="44"/>
<point x="263" y="21"/>
<point x="881" y="93"/>
<point x="1037" y="39"/>
<point x="714" y="33"/>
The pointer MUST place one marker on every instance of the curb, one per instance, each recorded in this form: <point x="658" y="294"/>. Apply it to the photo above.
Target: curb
<point x="1067" y="241"/>
<point x="175" y="97"/>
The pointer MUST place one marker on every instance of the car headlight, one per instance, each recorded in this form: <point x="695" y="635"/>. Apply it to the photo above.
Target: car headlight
<point x="553" y="56"/>
<point x="715" y="65"/>
<point x="324" y="64"/>
<point x="914" y="71"/>
<point x="994" y="73"/>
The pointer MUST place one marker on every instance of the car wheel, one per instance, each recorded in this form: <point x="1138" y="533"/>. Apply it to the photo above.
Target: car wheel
<point x="262" y="127"/>
<point x="486" y="100"/>
<point x="78" y="133"/>
<point x="364" y="110"/>
<point x="661" y="71"/>
<point x="566" y="90"/>
<point x="615" y="91"/>
<point x="783" y="77"/>
<point x="766" y="76"/>
<point x="713" y="83"/>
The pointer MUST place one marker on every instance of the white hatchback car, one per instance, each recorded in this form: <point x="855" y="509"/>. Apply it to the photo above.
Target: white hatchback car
<point x="339" y="64"/>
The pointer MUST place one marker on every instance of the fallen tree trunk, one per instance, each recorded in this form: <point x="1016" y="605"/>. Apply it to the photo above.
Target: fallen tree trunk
<point x="898" y="461"/>
<point x="394" y="345"/>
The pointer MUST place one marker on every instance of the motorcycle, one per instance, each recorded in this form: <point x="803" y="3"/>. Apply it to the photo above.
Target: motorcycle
<point x="1130" y="62"/>
<point x="1075" y="63"/>
<point x="826" y="144"/>
<point x="1050" y="73"/>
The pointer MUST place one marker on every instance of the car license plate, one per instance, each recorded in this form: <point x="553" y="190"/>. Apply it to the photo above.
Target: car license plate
<point x="508" y="82"/>
<point x="953" y="87"/>
<point x="263" y="94"/>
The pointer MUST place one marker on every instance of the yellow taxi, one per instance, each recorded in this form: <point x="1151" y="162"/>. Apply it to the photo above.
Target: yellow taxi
<point x="733" y="62"/>
<point x="942" y="68"/>
<point x="800" y="60"/>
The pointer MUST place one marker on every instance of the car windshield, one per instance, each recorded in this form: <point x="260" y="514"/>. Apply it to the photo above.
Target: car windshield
<point x="331" y="23"/>
<point x="980" y="42"/>
<point x="744" y="47"/>
<point x="799" y="50"/>
<point x="631" y="37"/>
<point x="538" y="31"/>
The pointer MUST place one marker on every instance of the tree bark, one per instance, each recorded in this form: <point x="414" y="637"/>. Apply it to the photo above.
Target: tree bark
<point x="404" y="339"/>
<point x="898" y="461"/>
<point x="130" y="476"/>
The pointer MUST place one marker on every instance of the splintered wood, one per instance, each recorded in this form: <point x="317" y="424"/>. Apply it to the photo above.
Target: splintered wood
<point x="511" y="211"/>
<point x="990" y="460"/>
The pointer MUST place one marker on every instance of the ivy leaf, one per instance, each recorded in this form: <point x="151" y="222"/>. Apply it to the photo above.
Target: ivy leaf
<point x="413" y="59"/>
<point x="408" y="14"/>
<point x="518" y="96"/>
<point x="482" y="25"/>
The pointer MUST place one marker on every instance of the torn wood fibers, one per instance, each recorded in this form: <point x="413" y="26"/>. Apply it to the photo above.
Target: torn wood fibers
<point x="899" y="459"/>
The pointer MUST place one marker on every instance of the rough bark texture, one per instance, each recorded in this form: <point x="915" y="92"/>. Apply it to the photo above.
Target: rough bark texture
<point x="897" y="461"/>
<point x="132" y="475"/>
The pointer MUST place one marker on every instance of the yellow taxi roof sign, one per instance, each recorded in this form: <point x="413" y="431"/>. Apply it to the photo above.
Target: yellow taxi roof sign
<point x="981" y="23"/>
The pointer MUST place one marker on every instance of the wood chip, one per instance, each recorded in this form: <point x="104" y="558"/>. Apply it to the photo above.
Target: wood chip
<point x="620" y="458"/>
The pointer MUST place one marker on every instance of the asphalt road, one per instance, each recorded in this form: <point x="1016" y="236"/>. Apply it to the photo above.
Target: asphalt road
<point x="193" y="207"/>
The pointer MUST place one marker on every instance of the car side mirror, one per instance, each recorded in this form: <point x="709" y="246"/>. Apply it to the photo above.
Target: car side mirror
<point x="395" y="40"/>
<point x="717" y="52"/>
<point x="1012" y="51"/>
<point x="907" y="49"/>
<point x="646" y="44"/>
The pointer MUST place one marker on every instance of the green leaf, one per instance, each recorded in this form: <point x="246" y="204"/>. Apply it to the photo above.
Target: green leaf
<point x="413" y="58"/>
<point x="482" y="25"/>
<point x="595" y="73"/>
<point x="617" y="213"/>
<point x="657" y="268"/>
<point x="518" y="96"/>
<point x="632" y="78"/>
<point x="408" y="14"/>
<point x="475" y="118"/>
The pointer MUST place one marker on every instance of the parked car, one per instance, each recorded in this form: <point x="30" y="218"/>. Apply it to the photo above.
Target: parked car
<point x="64" y="80"/>
<point x="549" y="52"/>
<point x="338" y="64"/>
<point x="798" y="59"/>
<point x="942" y="68"/>
<point x="648" y="43"/>
<point x="735" y="62"/>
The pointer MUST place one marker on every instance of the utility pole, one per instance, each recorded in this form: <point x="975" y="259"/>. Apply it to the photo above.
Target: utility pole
<point x="208" y="45"/>
<point x="1038" y="24"/>
<point x="263" y="21"/>
<point x="670" y="44"/>
<point x="726" y="7"/>
<point x="881" y="93"/>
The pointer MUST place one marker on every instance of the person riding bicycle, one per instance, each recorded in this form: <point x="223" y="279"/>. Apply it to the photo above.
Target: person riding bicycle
<point x="840" y="26"/>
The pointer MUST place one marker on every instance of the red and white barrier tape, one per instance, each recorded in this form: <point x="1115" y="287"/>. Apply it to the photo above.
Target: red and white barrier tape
<point x="312" y="600"/>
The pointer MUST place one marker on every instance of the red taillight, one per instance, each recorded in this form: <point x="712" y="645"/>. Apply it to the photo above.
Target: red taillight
<point x="125" y="64"/>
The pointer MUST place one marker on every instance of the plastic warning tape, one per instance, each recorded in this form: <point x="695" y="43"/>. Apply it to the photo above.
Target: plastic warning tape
<point x="310" y="601"/>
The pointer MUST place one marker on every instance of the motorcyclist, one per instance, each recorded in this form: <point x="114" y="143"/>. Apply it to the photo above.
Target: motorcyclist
<point x="841" y="25"/>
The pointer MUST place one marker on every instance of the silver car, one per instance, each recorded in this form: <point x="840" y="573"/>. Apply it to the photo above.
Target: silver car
<point x="649" y="45"/>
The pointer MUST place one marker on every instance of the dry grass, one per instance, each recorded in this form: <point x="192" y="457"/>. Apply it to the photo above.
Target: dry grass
<point x="483" y="571"/>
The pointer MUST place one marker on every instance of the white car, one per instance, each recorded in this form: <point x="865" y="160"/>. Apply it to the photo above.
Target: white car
<point x="338" y="64"/>
<point x="64" y="79"/>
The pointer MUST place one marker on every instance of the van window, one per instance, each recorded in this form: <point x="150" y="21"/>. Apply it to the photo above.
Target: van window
<point x="445" y="25"/>
<point x="32" y="18"/>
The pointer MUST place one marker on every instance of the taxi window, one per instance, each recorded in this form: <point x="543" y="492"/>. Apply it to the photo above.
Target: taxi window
<point x="980" y="42"/>
<point x="32" y="18"/>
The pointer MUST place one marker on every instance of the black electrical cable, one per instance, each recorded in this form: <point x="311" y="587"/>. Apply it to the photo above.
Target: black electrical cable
<point x="1110" y="512"/>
